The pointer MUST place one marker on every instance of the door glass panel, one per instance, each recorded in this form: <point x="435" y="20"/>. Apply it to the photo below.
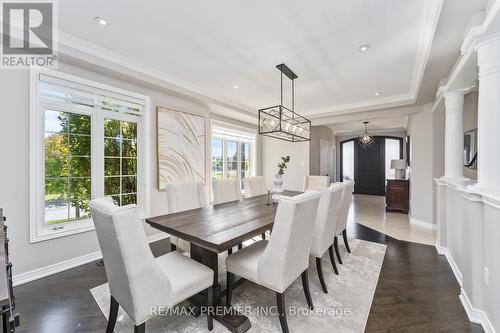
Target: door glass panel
<point x="348" y="160"/>
<point x="392" y="152"/>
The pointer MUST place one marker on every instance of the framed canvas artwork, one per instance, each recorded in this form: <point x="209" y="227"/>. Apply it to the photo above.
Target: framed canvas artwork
<point x="180" y="147"/>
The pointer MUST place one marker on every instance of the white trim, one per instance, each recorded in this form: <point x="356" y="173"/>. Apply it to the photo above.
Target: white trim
<point x="454" y="266"/>
<point x="440" y="250"/>
<point x="423" y="224"/>
<point x="68" y="264"/>
<point x="444" y="251"/>
<point x="476" y="315"/>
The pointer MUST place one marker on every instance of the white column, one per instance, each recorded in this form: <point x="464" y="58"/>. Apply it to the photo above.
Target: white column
<point x="488" y="54"/>
<point x="454" y="135"/>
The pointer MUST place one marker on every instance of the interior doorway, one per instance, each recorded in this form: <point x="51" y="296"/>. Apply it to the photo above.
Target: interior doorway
<point x="369" y="167"/>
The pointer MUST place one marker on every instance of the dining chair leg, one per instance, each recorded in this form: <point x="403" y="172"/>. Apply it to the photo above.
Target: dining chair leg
<point x="210" y="304"/>
<point x="344" y="234"/>
<point x="319" y="268"/>
<point x="263" y="235"/>
<point x="336" y="245"/>
<point x="307" y="292"/>
<point x="280" y="301"/>
<point x="229" y="288"/>
<point x="240" y="246"/>
<point x="140" y="329"/>
<point x="113" y="314"/>
<point x="332" y="259"/>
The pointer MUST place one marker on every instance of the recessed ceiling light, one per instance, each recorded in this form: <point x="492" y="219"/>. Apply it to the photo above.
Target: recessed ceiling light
<point x="235" y="86"/>
<point x="364" y="48"/>
<point x="377" y="93"/>
<point x="101" y="21"/>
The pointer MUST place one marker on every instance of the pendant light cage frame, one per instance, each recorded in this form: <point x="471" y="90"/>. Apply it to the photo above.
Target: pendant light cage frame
<point x="365" y="140"/>
<point x="282" y="123"/>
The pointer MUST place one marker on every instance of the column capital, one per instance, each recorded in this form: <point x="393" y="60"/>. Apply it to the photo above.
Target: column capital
<point x="454" y="99"/>
<point x="488" y="55"/>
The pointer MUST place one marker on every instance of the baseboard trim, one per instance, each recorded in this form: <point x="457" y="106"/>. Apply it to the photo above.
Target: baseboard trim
<point x="454" y="266"/>
<point x="440" y="250"/>
<point x="423" y="224"/>
<point x="39" y="273"/>
<point x="475" y="315"/>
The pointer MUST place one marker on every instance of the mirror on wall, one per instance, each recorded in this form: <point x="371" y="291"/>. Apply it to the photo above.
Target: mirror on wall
<point x="470" y="149"/>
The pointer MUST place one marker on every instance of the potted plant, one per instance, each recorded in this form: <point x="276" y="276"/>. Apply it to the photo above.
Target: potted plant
<point x="278" y="178"/>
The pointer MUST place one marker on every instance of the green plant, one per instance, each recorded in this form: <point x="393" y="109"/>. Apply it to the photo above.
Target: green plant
<point x="282" y="164"/>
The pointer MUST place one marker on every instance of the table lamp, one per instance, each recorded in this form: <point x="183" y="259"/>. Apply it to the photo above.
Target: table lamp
<point x="400" y="167"/>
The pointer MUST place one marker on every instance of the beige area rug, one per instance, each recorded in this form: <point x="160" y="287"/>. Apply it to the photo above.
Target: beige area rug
<point x="344" y="309"/>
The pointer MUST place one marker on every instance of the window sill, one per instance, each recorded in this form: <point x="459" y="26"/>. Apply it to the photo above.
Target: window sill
<point x="47" y="233"/>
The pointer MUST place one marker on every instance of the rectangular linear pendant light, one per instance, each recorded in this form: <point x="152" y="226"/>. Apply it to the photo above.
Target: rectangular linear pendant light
<point x="282" y="123"/>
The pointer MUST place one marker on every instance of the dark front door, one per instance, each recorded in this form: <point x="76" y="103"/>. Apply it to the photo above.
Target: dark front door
<point x="369" y="168"/>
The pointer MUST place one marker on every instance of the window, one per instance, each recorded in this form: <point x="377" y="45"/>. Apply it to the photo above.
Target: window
<point x="86" y="141"/>
<point x="120" y="161"/>
<point x="232" y="152"/>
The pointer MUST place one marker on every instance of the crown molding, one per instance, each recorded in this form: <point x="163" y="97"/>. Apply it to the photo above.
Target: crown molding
<point x="426" y="37"/>
<point x="83" y="50"/>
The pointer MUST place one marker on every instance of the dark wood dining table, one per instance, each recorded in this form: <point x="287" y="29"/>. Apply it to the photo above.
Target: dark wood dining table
<point x="216" y="229"/>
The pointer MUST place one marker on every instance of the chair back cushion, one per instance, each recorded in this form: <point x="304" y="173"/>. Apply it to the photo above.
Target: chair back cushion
<point x="185" y="196"/>
<point x="346" y="204"/>
<point x="254" y="186"/>
<point x="315" y="182"/>
<point x="226" y="190"/>
<point x="129" y="263"/>
<point x="287" y="254"/>
<point x="327" y="219"/>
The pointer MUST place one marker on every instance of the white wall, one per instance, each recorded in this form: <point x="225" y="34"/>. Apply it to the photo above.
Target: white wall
<point x="420" y="130"/>
<point x="14" y="166"/>
<point x="298" y="168"/>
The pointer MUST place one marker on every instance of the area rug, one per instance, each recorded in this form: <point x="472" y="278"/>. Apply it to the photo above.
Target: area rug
<point x="344" y="309"/>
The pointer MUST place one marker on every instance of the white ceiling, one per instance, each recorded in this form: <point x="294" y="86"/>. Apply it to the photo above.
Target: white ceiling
<point x="210" y="46"/>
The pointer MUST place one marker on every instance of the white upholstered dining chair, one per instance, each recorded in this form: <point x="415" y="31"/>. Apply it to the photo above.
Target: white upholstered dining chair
<point x="254" y="186"/>
<point x="181" y="197"/>
<point x="325" y="227"/>
<point x="226" y="190"/>
<point x="277" y="263"/>
<point x="315" y="182"/>
<point x="344" y="216"/>
<point x="137" y="281"/>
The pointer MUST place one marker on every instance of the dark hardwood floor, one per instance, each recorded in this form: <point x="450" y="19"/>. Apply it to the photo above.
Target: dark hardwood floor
<point x="416" y="292"/>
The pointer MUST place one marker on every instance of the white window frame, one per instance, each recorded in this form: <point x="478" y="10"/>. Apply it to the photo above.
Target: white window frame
<point x="249" y="137"/>
<point x="38" y="229"/>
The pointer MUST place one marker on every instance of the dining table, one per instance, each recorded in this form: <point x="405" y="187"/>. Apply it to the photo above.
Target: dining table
<point x="216" y="229"/>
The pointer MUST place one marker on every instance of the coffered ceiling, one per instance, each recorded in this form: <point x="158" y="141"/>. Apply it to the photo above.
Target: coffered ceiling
<point x="227" y="50"/>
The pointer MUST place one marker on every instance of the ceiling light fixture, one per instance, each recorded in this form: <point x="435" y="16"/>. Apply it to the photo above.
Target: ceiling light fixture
<point x="377" y="94"/>
<point x="364" y="139"/>
<point x="364" y="48"/>
<point x="282" y="123"/>
<point x="235" y="86"/>
<point x="101" y="21"/>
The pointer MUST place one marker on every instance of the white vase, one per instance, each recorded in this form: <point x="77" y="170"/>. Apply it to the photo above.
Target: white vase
<point x="277" y="187"/>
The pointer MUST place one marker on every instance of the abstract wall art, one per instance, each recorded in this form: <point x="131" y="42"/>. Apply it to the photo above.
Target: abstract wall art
<point x="180" y="147"/>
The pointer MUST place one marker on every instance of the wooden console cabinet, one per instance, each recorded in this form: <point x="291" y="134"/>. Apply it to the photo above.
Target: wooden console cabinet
<point x="397" y="195"/>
